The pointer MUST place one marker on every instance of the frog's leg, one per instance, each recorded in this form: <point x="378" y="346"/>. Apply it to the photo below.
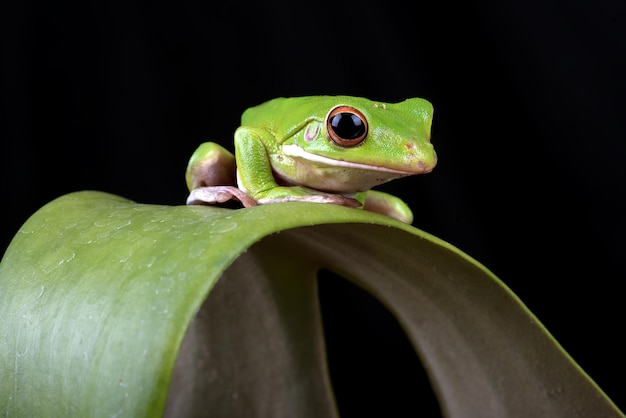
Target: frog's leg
<point x="255" y="175"/>
<point x="387" y="204"/>
<point x="210" y="165"/>
<point x="211" y="177"/>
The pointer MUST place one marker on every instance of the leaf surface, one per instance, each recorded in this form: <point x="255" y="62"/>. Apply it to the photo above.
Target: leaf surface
<point x="113" y="308"/>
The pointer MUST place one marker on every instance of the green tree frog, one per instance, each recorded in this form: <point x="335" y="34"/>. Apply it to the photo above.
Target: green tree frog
<point x="326" y="149"/>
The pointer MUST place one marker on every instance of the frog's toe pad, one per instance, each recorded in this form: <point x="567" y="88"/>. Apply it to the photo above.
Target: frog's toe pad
<point x="214" y="195"/>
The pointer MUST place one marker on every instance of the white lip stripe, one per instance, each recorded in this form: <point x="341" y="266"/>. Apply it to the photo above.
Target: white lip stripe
<point x="296" y="151"/>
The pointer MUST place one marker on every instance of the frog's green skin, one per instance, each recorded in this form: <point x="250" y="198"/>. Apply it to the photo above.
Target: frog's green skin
<point x="288" y="150"/>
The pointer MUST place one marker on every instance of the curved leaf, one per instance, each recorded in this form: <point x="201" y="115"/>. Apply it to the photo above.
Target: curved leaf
<point x="112" y="308"/>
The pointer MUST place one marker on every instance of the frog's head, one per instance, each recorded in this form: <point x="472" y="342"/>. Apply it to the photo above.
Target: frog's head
<point x="345" y="144"/>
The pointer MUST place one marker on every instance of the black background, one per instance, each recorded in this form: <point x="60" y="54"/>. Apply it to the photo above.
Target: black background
<point x="529" y="123"/>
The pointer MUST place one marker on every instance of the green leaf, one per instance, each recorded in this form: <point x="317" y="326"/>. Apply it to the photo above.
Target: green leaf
<point x="113" y="308"/>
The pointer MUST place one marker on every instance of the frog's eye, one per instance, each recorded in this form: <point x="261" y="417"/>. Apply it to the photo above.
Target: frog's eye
<point x="346" y="126"/>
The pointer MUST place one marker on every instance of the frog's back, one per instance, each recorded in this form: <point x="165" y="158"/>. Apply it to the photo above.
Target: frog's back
<point x="286" y="115"/>
<point x="283" y="108"/>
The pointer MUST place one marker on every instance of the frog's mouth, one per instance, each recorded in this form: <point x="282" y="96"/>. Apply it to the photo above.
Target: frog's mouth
<point x="296" y="152"/>
<point x="338" y="176"/>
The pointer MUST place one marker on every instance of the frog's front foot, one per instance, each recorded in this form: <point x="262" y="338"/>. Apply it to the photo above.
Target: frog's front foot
<point x="301" y="194"/>
<point x="219" y="194"/>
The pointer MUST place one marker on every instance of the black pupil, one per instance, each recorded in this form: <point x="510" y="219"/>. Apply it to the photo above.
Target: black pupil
<point x="347" y="125"/>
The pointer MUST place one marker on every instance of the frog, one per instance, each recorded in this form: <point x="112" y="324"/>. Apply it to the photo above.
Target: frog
<point x="321" y="149"/>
